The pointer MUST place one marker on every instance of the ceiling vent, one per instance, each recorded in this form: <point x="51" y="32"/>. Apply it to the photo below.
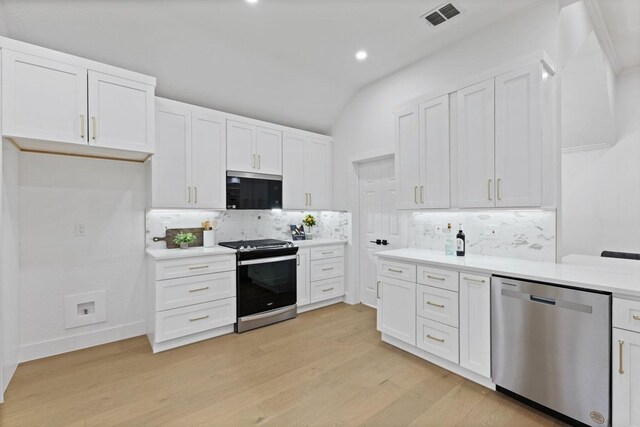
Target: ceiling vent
<point x="441" y="14"/>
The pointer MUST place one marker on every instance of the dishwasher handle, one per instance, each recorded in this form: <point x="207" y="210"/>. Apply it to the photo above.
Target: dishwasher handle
<point x="548" y="301"/>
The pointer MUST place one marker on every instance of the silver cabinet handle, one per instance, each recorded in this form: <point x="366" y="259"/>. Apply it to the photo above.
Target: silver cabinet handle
<point x="188" y="194"/>
<point x="306" y="199"/>
<point x="489" y="189"/>
<point x="620" y="368"/>
<point x="297" y="259"/>
<point x="636" y="317"/>
<point x="199" y="289"/>
<point x="436" y="278"/>
<point x="199" y="318"/>
<point x="435" y="339"/>
<point x="82" y="126"/>
<point x="195" y="198"/>
<point x="327" y="253"/>
<point x="253" y="161"/>
<point x="395" y="271"/>
<point x="415" y="194"/>
<point x="435" y="305"/>
<point x="378" y="289"/>
<point x="498" y="188"/>
<point x="469" y="279"/>
<point x="422" y="194"/>
<point x="199" y="267"/>
<point x="310" y="200"/>
<point x="327" y="269"/>
<point x="94" y="128"/>
<point x="328" y="289"/>
<point x="259" y="161"/>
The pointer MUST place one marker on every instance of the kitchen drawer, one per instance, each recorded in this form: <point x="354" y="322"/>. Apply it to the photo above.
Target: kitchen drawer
<point x="438" y="339"/>
<point x="396" y="270"/>
<point x="327" y="269"/>
<point x="174" y="293"/>
<point x="437" y="304"/>
<point x="626" y="314"/>
<point x="323" y="252"/>
<point x="185" y="267"/>
<point x="184" y="321"/>
<point x="327" y="289"/>
<point x="438" y="277"/>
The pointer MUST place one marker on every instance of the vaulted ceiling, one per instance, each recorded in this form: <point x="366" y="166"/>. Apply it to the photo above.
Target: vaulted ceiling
<point x="286" y="61"/>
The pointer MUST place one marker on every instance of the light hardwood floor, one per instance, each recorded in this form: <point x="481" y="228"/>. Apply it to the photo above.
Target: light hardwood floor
<point x="325" y="367"/>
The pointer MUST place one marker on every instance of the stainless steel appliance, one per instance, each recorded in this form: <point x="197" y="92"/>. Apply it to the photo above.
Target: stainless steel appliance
<point x="253" y="191"/>
<point x="266" y="282"/>
<point x="552" y="346"/>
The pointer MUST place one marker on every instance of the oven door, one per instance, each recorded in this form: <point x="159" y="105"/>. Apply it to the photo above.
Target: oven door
<point x="266" y="284"/>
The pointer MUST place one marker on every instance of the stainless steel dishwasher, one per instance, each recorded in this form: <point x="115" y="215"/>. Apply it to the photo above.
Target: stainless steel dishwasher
<point x="552" y="346"/>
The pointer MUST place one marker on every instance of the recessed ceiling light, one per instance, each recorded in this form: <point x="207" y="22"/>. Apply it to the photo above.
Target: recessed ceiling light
<point x="252" y="1"/>
<point x="361" y="55"/>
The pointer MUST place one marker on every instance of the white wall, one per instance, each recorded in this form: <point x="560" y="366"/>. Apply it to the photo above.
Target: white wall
<point x="601" y="187"/>
<point x="109" y="197"/>
<point x="367" y="122"/>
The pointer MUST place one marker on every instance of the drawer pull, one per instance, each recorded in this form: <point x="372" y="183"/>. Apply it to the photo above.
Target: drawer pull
<point x="436" y="278"/>
<point x="199" y="318"/>
<point x="327" y="253"/>
<point x="327" y="269"/>
<point x="435" y="339"/>
<point x="395" y="271"/>
<point x="636" y="317"/>
<point x="620" y="368"/>
<point x="469" y="279"/>
<point x="199" y="267"/>
<point x="327" y="290"/>
<point x="435" y="305"/>
<point x="199" y="289"/>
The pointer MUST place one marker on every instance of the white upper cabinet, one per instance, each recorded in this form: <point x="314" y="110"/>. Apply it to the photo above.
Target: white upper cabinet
<point x="43" y="99"/>
<point x="208" y="154"/>
<point x="475" y="115"/>
<point x="434" y="153"/>
<point x="306" y="173"/>
<point x="120" y="113"/>
<point x="407" y="158"/>
<point x="518" y="137"/>
<point x="253" y="149"/>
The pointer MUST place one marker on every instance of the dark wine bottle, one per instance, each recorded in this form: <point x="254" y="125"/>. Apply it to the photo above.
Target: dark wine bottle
<point x="461" y="244"/>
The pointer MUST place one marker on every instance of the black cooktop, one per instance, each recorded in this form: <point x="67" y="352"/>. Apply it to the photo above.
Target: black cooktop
<point x="257" y="244"/>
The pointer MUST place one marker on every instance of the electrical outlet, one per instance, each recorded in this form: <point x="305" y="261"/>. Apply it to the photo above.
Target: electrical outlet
<point x="437" y="228"/>
<point x="80" y="230"/>
<point x="490" y="232"/>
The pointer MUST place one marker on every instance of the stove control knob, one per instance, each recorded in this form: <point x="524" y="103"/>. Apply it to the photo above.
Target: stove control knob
<point x="241" y="248"/>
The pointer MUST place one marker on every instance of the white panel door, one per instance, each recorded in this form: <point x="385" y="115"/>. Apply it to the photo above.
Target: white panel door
<point x="408" y="157"/>
<point x="397" y="309"/>
<point x="303" y="277"/>
<point x="171" y="164"/>
<point x="241" y="155"/>
<point x="434" y="154"/>
<point x="370" y="189"/>
<point x="43" y="99"/>
<point x="475" y="117"/>
<point x="294" y="194"/>
<point x="317" y="172"/>
<point x="475" y="323"/>
<point x="625" y="378"/>
<point x="208" y="157"/>
<point x="268" y="151"/>
<point x="518" y="137"/>
<point x="121" y="113"/>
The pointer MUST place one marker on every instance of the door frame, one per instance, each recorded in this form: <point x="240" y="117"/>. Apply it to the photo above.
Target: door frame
<point x="353" y="251"/>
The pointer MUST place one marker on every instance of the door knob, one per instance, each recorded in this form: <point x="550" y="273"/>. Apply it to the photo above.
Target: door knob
<point x="377" y="241"/>
<point x="385" y="243"/>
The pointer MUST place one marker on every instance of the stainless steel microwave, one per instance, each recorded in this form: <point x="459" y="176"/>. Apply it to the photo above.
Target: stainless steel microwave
<point x="253" y="191"/>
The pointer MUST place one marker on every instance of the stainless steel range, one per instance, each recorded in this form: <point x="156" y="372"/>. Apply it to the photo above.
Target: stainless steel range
<point x="266" y="282"/>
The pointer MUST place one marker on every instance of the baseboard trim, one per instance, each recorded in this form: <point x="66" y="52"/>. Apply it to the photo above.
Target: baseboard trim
<point x="56" y="346"/>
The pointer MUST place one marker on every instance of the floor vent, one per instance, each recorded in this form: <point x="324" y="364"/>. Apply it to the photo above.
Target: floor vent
<point x="441" y="14"/>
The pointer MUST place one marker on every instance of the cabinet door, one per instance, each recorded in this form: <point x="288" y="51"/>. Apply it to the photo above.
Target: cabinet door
<point x="397" y="309"/>
<point x="475" y="323"/>
<point x="317" y="169"/>
<point x="241" y="155"/>
<point x="171" y="164"/>
<point x="268" y="151"/>
<point x="43" y="99"/>
<point x="625" y="378"/>
<point x="434" y="153"/>
<point x="294" y="194"/>
<point x="302" y="279"/>
<point x="121" y="113"/>
<point x="408" y="157"/>
<point x="518" y="137"/>
<point x="476" y="146"/>
<point x="208" y="157"/>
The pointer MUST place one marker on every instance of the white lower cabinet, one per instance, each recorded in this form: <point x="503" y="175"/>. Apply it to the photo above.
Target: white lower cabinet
<point x="397" y="309"/>
<point x="625" y="361"/>
<point x="437" y="304"/>
<point x="438" y="339"/>
<point x="475" y="323"/>
<point x="327" y="289"/>
<point x="302" y="277"/>
<point x="320" y="275"/>
<point x="192" y="319"/>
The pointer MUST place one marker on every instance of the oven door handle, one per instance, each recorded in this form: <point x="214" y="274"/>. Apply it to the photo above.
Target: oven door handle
<point x="266" y="260"/>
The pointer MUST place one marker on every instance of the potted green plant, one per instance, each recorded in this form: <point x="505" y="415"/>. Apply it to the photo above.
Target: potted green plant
<point x="183" y="239"/>
<point x="310" y="222"/>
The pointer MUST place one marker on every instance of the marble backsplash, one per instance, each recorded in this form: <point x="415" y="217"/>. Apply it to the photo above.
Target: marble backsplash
<point x="237" y="225"/>
<point x="525" y="234"/>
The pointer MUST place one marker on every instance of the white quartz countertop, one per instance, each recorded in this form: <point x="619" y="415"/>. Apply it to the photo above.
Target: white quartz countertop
<point x="620" y="277"/>
<point x="318" y="242"/>
<point x="191" y="252"/>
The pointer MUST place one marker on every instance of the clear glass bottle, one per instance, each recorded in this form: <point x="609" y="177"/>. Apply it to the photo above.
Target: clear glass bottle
<point x="449" y="240"/>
